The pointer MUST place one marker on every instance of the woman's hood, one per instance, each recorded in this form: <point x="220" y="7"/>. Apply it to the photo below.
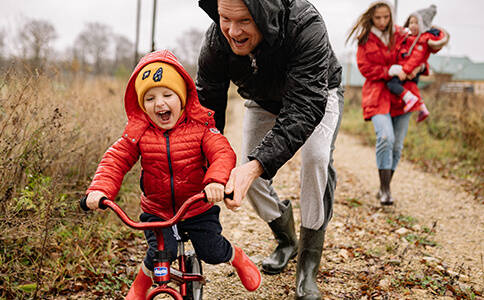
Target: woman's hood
<point x="270" y="17"/>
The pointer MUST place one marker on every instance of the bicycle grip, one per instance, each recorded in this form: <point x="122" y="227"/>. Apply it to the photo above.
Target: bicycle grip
<point x="83" y="204"/>
<point x="230" y="196"/>
<point x="101" y="203"/>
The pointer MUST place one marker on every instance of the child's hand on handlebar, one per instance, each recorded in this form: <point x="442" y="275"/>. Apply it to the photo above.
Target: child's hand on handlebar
<point x="93" y="198"/>
<point x="214" y="192"/>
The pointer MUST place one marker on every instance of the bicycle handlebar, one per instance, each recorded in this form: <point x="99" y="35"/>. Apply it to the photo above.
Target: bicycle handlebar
<point x="105" y="203"/>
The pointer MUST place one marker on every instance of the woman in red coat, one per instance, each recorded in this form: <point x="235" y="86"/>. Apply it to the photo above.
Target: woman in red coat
<point x="176" y="139"/>
<point x="378" y="41"/>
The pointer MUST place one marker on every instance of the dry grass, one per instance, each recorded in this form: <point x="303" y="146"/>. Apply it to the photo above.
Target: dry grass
<point x="53" y="131"/>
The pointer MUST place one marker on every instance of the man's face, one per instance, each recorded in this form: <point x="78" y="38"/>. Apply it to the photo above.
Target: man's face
<point x="238" y="27"/>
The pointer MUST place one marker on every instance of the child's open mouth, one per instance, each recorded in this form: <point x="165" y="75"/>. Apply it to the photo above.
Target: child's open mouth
<point x="164" y="115"/>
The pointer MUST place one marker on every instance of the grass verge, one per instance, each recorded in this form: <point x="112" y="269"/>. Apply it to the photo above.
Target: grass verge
<point x="447" y="143"/>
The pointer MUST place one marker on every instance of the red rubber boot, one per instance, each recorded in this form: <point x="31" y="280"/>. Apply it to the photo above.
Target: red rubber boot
<point x="423" y="113"/>
<point x="140" y="286"/>
<point x="410" y="100"/>
<point x="248" y="272"/>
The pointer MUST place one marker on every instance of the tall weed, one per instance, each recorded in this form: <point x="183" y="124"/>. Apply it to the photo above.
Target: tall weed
<point x="53" y="132"/>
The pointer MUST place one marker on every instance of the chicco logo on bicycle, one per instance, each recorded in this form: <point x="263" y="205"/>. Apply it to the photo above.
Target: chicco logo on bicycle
<point x="161" y="271"/>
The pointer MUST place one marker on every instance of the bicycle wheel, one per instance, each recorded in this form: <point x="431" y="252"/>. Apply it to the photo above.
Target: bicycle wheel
<point x="194" y="288"/>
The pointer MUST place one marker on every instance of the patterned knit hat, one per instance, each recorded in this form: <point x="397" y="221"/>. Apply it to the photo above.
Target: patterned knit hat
<point x="425" y="17"/>
<point x="160" y="74"/>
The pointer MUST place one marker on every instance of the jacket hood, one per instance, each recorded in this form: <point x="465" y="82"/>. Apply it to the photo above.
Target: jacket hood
<point x="424" y="17"/>
<point x="387" y="3"/>
<point x="270" y="16"/>
<point x="138" y="120"/>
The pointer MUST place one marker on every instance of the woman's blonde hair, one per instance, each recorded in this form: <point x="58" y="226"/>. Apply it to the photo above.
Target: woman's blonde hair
<point x="362" y="28"/>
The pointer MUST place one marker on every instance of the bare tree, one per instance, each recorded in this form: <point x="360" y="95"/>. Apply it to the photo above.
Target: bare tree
<point x="74" y="60"/>
<point x="35" y="39"/>
<point x="123" y="50"/>
<point x="78" y="53"/>
<point x="2" y="50"/>
<point x="188" y="48"/>
<point x="2" y="41"/>
<point x="92" y="45"/>
<point x="123" y="56"/>
<point x="2" y="45"/>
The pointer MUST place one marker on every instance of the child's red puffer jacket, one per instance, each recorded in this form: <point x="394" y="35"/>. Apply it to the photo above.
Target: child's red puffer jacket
<point x="427" y="43"/>
<point x="177" y="163"/>
<point x="420" y="51"/>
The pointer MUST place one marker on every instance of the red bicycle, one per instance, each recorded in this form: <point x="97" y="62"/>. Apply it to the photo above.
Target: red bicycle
<point x="189" y="276"/>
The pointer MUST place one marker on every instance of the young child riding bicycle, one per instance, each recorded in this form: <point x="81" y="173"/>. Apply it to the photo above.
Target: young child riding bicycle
<point x="182" y="153"/>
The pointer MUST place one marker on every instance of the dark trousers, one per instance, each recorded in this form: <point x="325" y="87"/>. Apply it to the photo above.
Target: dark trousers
<point x="203" y="230"/>
<point x="395" y="85"/>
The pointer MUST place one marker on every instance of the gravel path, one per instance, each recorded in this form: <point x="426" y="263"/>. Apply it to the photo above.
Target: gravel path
<point x="369" y="252"/>
<point x="428" y="246"/>
<point x="431" y="199"/>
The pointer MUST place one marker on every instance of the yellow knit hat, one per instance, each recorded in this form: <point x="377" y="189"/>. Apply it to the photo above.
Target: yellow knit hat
<point x="160" y="74"/>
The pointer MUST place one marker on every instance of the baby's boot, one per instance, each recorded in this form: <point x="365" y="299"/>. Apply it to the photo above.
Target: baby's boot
<point x="140" y="285"/>
<point x="410" y="100"/>
<point x="423" y="113"/>
<point x="248" y="272"/>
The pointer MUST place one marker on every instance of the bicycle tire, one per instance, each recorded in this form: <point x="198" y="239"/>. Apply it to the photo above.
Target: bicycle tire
<point x="193" y="265"/>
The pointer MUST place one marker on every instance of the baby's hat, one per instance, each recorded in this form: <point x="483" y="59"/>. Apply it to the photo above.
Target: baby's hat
<point x="160" y="74"/>
<point x="425" y="17"/>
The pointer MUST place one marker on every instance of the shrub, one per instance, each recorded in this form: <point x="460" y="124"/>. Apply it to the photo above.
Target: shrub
<point x="53" y="132"/>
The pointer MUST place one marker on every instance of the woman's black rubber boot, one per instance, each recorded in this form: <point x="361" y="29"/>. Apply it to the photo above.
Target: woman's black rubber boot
<point x="384" y="194"/>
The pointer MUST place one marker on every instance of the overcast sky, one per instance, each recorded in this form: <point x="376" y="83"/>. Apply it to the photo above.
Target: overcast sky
<point x="463" y="19"/>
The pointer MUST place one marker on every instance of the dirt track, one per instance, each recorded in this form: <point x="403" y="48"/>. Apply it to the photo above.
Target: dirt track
<point x="429" y="246"/>
<point x="434" y="233"/>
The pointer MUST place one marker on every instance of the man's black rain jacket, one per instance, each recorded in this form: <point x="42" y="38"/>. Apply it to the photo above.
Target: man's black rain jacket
<point x="293" y="68"/>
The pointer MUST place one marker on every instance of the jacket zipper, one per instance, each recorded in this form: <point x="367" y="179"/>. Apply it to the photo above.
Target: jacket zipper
<point x="172" y="183"/>
<point x="253" y="63"/>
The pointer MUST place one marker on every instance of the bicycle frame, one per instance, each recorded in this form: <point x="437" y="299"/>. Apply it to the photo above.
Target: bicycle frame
<point x="163" y="273"/>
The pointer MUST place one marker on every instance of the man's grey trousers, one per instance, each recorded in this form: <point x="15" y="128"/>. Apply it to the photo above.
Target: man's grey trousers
<point x="318" y="177"/>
